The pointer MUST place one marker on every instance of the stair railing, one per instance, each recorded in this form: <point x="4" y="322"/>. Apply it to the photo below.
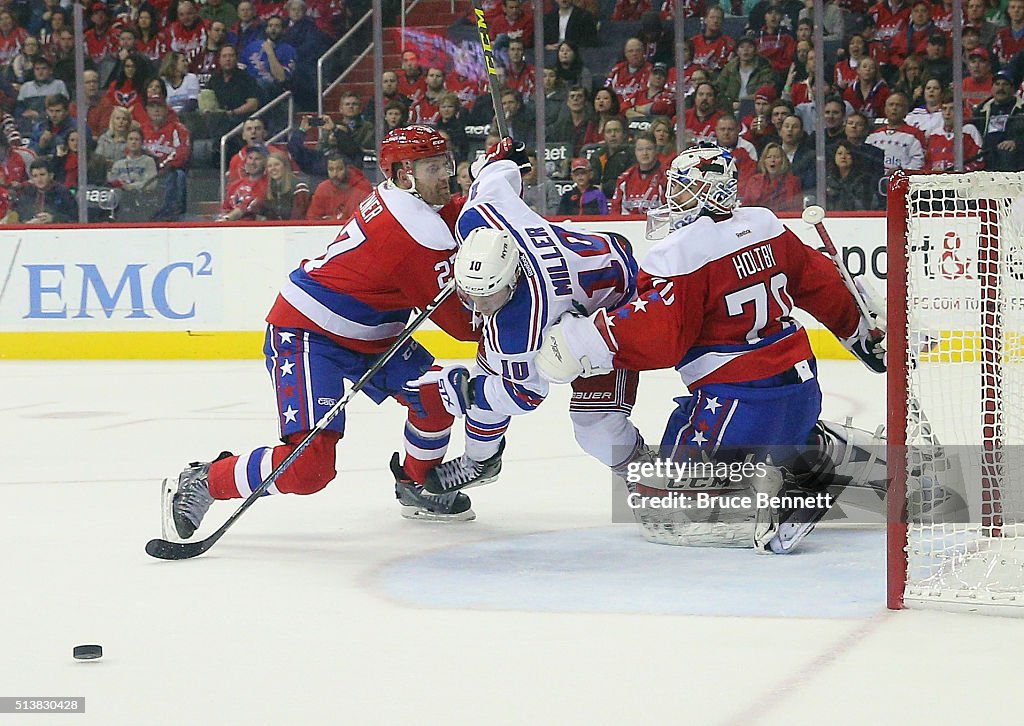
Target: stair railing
<point x="286" y="96"/>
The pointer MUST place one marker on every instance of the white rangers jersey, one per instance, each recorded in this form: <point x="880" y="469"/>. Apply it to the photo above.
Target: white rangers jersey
<point x="562" y="268"/>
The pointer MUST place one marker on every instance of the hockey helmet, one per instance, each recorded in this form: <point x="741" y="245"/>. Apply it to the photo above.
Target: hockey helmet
<point x="486" y="269"/>
<point x="701" y="178"/>
<point x="411" y="143"/>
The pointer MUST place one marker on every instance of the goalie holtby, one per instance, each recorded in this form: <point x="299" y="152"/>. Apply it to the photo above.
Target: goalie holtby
<point x="715" y="301"/>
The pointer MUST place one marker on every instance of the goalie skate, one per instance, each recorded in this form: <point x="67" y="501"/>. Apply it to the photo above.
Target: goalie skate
<point x="464" y="472"/>
<point x="419" y="504"/>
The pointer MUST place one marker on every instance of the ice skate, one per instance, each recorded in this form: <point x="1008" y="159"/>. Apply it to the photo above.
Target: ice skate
<point x="464" y="472"/>
<point x="420" y="504"/>
<point x="185" y="499"/>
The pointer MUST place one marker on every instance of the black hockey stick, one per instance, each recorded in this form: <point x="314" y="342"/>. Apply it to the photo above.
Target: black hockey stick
<point x="165" y="550"/>
<point x="492" y="73"/>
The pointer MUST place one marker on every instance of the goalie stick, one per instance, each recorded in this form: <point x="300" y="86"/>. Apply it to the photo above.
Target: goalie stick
<point x="164" y="550"/>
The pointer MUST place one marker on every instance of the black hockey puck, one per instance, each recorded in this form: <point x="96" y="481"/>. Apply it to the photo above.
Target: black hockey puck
<point x="87" y="652"/>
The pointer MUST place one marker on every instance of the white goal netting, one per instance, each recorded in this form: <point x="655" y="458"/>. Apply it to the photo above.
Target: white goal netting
<point x="964" y="390"/>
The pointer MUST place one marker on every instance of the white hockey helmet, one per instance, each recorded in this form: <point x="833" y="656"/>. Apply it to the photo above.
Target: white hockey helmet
<point x="701" y="178"/>
<point x="486" y="269"/>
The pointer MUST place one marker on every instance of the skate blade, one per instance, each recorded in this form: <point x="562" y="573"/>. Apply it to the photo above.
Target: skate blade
<point x="167" y="529"/>
<point x="418" y="513"/>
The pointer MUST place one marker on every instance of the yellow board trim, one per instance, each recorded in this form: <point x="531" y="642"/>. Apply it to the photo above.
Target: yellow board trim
<point x="233" y="345"/>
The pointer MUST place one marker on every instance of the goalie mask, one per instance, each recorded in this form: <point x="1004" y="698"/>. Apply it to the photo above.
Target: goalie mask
<point x="486" y="270"/>
<point x="701" y="178"/>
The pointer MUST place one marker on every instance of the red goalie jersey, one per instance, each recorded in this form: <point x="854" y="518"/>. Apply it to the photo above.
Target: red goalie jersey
<point x="715" y="301"/>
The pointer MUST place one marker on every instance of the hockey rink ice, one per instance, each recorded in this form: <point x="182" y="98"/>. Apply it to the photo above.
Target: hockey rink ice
<point x="332" y="609"/>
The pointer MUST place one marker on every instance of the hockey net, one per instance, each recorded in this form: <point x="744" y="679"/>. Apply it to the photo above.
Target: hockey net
<point x="956" y="391"/>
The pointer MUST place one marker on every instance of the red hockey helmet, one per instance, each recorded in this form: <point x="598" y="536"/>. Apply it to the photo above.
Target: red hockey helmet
<point x="410" y="143"/>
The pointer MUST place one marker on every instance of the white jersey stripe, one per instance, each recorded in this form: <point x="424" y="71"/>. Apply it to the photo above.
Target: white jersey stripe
<point x="333" y="323"/>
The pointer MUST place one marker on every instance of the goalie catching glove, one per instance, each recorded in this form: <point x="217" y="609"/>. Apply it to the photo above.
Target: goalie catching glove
<point x="507" y="149"/>
<point x="576" y="346"/>
<point x="452" y="383"/>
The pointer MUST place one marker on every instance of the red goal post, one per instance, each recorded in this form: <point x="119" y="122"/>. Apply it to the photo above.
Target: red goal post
<point x="956" y="391"/>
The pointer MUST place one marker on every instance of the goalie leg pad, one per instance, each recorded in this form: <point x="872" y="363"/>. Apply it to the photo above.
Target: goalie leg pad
<point x="845" y="456"/>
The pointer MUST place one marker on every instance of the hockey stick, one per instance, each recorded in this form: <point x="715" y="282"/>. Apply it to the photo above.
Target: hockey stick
<point x="165" y="550"/>
<point x="492" y="73"/>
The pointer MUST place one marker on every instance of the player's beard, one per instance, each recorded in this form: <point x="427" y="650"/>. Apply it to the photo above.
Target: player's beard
<point x="435" y="194"/>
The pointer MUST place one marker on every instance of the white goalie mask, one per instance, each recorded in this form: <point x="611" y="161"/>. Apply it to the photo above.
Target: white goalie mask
<point x="486" y="270"/>
<point x="701" y="178"/>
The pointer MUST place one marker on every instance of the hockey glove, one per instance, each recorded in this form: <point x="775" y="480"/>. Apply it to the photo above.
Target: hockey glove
<point x="573" y="347"/>
<point x="508" y="149"/>
<point x="869" y="347"/>
<point x="453" y="384"/>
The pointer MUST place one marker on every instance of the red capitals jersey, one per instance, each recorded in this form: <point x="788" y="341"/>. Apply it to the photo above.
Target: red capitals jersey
<point x="630" y="9"/>
<point x="100" y="45"/>
<point x="715" y="301"/>
<point x="10" y="45"/>
<point x="467" y="90"/>
<point x="186" y="40"/>
<point x="395" y="254"/>
<point x="237" y="163"/>
<point x="939" y="152"/>
<point x="524" y="80"/>
<point x="413" y="90"/>
<point x="246" y="194"/>
<point x="702" y="130"/>
<point x="889" y="19"/>
<point x="330" y="202"/>
<point x="1005" y="46"/>
<point x="155" y="48"/>
<point x="638" y="191"/>
<point x="169" y="145"/>
<point x="691" y="9"/>
<point x="521" y="29"/>
<point x="328" y="15"/>
<point x="12" y="170"/>
<point x="872" y="106"/>
<point x="626" y="84"/>
<point x="778" y="47"/>
<point x="713" y="53"/>
<point x="424" y="111"/>
<point x="203" y="62"/>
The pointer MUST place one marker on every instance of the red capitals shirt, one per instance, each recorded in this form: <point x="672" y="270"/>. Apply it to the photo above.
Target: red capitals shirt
<point x="10" y="45"/>
<point x="694" y="308"/>
<point x="100" y="45"/>
<point x="778" y="47"/>
<point x="939" y="152"/>
<point x="1005" y="46"/>
<point x="521" y="29"/>
<point x="246" y="194"/>
<point x="186" y="40"/>
<point x="638" y="191"/>
<point x="523" y="80"/>
<point x="712" y="53"/>
<point x="170" y="145"/>
<point x="703" y="130"/>
<point x="872" y="106"/>
<point x="330" y="202"/>
<point x="626" y="83"/>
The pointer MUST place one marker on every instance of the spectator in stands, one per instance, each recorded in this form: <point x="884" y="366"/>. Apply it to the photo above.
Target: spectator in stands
<point x="936" y="62"/>
<point x="204" y="63"/>
<point x="54" y="130"/>
<point x="218" y="10"/>
<point x="236" y="95"/>
<point x="101" y="39"/>
<point x="396" y="115"/>
<point x="171" y="146"/>
<point x="610" y="158"/>
<point x="12" y="37"/>
<point x="629" y="10"/>
<point x="702" y="117"/>
<point x="555" y="94"/>
<point x="727" y="135"/>
<point x="287" y="196"/>
<point x="987" y="31"/>
<point x="833" y="118"/>
<point x="567" y="22"/>
<point x="254" y="133"/>
<point x="309" y="42"/>
<point x="758" y="126"/>
<point x="1002" y="120"/>
<point x="464" y="180"/>
<point x="389" y="87"/>
<point x="135" y="175"/>
<point x="270" y="61"/>
<point x="64" y="59"/>
<point x="642" y="186"/>
<point x="127" y="45"/>
<point x="910" y="79"/>
<point x="187" y="34"/>
<point x="799" y="151"/>
<point x="412" y="78"/>
<point x="775" y="44"/>
<point x="802" y="94"/>
<point x="848" y="187"/>
<point x="111" y="143"/>
<point x="451" y="120"/>
<point x="912" y="38"/>
<point x="20" y="69"/>
<point x="774" y="186"/>
<point x="540" y="197"/>
<point x="152" y="42"/>
<point x="977" y="84"/>
<point x="12" y="166"/>
<point x="521" y="123"/>
<point x="128" y="88"/>
<point x="868" y="93"/>
<point x="245" y="196"/>
<point x="249" y="27"/>
<point x="570" y="68"/>
<point x="424" y="111"/>
<point x="928" y="114"/>
<point x="939" y="152"/>
<point x="519" y="74"/>
<point x="512" y="24"/>
<point x="743" y="75"/>
<point x="182" y="87"/>
<point x="712" y="49"/>
<point x="43" y="201"/>
<point x="832" y="18"/>
<point x="98" y="110"/>
<point x="576" y="123"/>
<point x="338" y="196"/>
<point x="902" y="144"/>
<point x="870" y="158"/>
<point x="1009" y="41"/>
<point x="846" y="69"/>
<point x="658" y="40"/>
<point x="33" y="94"/>
<point x="351" y="134"/>
<point x="606" y="106"/>
<point x="655" y="99"/>
<point x="628" y="78"/>
<point x="664" y="133"/>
